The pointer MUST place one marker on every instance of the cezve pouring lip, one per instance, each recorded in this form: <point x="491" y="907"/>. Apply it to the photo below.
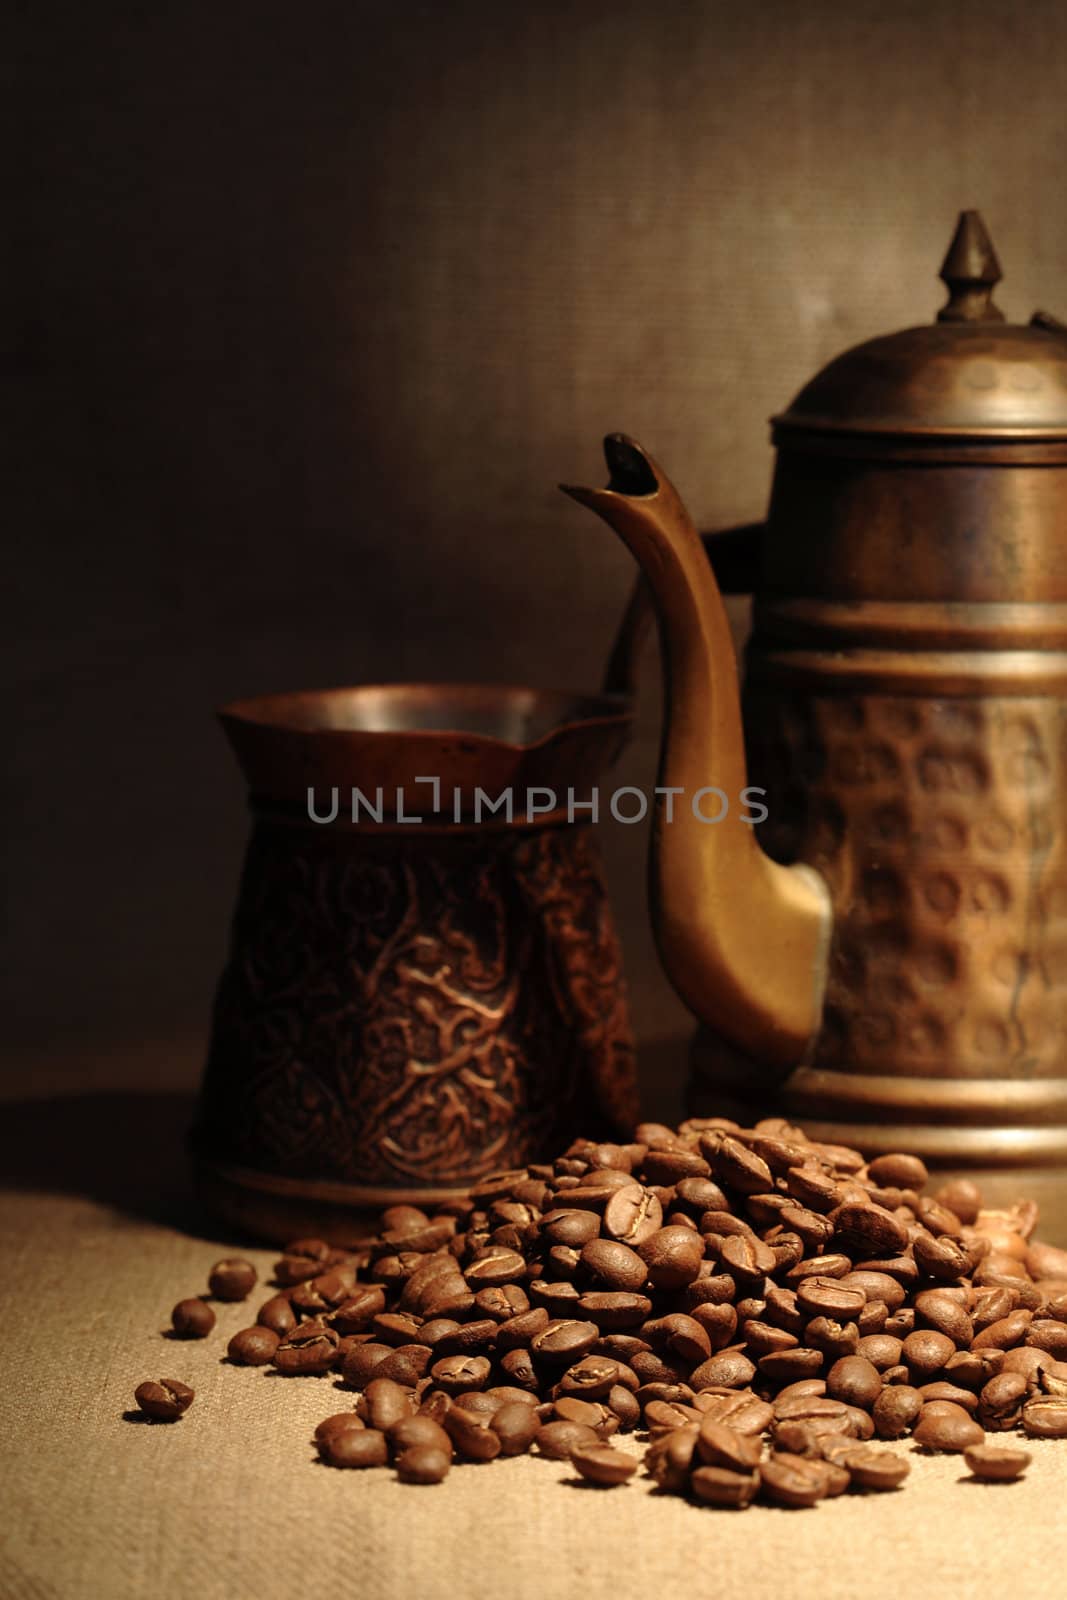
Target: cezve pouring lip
<point x="744" y="940"/>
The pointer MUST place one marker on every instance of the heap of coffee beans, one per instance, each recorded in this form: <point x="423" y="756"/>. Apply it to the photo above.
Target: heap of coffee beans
<point x="762" y="1306"/>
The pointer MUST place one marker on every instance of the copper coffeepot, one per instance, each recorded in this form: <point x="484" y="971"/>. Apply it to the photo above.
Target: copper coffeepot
<point x="887" y="962"/>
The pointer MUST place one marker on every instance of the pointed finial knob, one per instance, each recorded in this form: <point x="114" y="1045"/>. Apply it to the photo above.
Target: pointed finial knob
<point x="970" y="271"/>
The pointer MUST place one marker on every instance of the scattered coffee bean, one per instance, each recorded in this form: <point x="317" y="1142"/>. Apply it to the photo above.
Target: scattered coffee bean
<point x="943" y="1426"/>
<point x="870" y="1468"/>
<point x="354" y="1447"/>
<point x="253" y="1347"/>
<point x="718" y="1486"/>
<point x="166" y="1400"/>
<point x="423" y="1463"/>
<point x="996" y="1464"/>
<point x="192" y="1319"/>
<point x="602" y="1464"/>
<point x="232" y="1279"/>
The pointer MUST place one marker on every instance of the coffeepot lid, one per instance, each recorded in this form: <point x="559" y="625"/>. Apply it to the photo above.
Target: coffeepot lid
<point x="970" y="373"/>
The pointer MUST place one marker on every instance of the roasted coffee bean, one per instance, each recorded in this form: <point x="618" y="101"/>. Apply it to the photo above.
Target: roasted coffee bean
<point x="855" y="1380"/>
<point x="632" y="1215"/>
<point x="943" y="1426"/>
<point x="395" y="1327"/>
<point x="961" y="1196"/>
<point x="652" y="1368"/>
<point x="355" y="1447"/>
<point x="787" y="1366"/>
<point x="835" y="1339"/>
<point x="869" y="1229"/>
<point x="900" y="1170"/>
<point x="557" y="1439"/>
<point x="996" y="1465"/>
<point x="945" y="1259"/>
<point x="591" y="1378"/>
<point x="671" y="1256"/>
<point x="471" y="1434"/>
<point x="950" y="1391"/>
<point x="612" y="1310"/>
<point x="340" y="1422"/>
<point x="166" y="1399"/>
<point x="793" y="1480"/>
<point x="477" y="1402"/>
<point x="762" y="1338"/>
<point x="812" y="1188"/>
<point x="357" y="1311"/>
<point x="925" y="1351"/>
<point x="699" y="1195"/>
<point x="718" y="1486"/>
<point x="1046" y="1261"/>
<point x="418" y="1430"/>
<point x="1045" y="1417"/>
<point x="625" y="1407"/>
<point x="885" y="1280"/>
<point x="603" y="1465"/>
<point x="361" y="1361"/>
<point x="798" y="1439"/>
<point x="446" y="1296"/>
<point x="253" y="1347"/>
<point x="232" y="1279"/>
<point x="406" y="1364"/>
<point x="615" y="1265"/>
<point x="735" y="1167"/>
<point x="1052" y="1379"/>
<point x="384" y="1403"/>
<point x="743" y="1412"/>
<point x="590" y="1413"/>
<point x="870" y="1468"/>
<point x="516" y="1426"/>
<point x="719" y="1445"/>
<point x="310" y="1348"/>
<point x="718" y="1321"/>
<point x="747" y="1260"/>
<point x="668" y="1459"/>
<point x="1025" y="1360"/>
<point x="570" y="1226"/>
<point x="939" y="1311"/>
<point x="494" y="1266"/>
<point x="459" y="1374"/>
<point x="1046" y="1333"/>
<point x="278" y="1315"/>
<point x="663" y="1169"/>
<point x="680" y="1336"/>
<point x="423" y="1463"/>
<point x="503" y="1302"/>
<point x="661" y="1416"/>
<point x="519" y="1369"/>
<point x="728" y="1369"/>
<point x="564" y="1341"/>
<point x="322" y="1294"/>
<point x="192" y="1319"/>
<point x="1005" y="1332"/>
<point x="828" y="1297"/>
<point x="518" y="1331"/>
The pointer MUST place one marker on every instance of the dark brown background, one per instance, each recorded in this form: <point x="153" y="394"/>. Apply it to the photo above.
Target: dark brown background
<point x="313" y="307"/>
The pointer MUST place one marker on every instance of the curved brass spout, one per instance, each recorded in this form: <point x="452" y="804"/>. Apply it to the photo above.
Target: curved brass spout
<point x="743" y="940"/>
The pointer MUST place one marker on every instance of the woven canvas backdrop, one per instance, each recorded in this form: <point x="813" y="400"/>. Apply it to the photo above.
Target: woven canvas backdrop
<point x="312" y="310"/>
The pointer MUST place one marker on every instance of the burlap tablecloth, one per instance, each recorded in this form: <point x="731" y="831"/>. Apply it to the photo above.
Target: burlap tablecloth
<point x="230" y="1503"/>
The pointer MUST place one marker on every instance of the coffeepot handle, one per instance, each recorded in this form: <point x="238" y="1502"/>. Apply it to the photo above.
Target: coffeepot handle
<point x="735" y="555"/>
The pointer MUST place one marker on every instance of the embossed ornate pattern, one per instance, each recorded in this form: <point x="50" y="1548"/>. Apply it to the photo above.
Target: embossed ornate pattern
<point x="403" y="1010"/>
<point x="938" y="824"/>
